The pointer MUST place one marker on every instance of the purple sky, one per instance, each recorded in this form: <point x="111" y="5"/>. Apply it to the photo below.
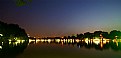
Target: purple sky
<point x="63" y="17"/>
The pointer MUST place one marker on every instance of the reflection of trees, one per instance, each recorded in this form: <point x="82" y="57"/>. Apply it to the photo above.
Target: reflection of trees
<point x="11" y="50"/>
<point x="80" y="44"/>
<point x="119" y="45"/>
<point x="98" y="44"/>
<point x="113" y="45"/>
<point x="88" y="46"/>
<point x="106" y="46"/>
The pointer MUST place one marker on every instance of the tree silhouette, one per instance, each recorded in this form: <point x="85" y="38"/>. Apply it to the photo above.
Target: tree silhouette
<point x="115" y="34"/>
<point x="80" y="36"/>
<point x="88" y="35"/>
<point x="97" y="33"/>
<point x="12" y="31"/>
<point x="22" y="2"/>
<point x="105" y="34"/>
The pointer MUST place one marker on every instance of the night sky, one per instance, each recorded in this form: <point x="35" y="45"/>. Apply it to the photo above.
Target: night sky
<point x="63" y="17"/>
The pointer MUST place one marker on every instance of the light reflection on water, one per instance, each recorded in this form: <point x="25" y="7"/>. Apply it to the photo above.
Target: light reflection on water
<point x="10" y="49"/>
<point x="62" y="48"/>
<point x="72" y="48"/>
<point x="98" y="42"/>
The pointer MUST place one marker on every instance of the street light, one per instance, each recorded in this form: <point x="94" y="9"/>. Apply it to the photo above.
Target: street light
<point x="116" y="37"/>
<point x="1" y="34"/>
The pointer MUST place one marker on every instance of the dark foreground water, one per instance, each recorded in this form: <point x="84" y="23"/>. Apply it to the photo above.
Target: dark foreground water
<point x="61" y="49"/>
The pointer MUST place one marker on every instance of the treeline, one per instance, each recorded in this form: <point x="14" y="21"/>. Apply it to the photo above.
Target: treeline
<point x="12" y="31"/>
<point x="114" y="34"/>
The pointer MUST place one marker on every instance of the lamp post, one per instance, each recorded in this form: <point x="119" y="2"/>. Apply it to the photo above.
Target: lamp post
<point x="101" y="36"/>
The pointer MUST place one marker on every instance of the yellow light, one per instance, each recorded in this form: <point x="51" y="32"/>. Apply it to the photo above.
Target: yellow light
<point x="65" y="40"/>
<point x="46" y="40"/>
<point x="101" y="45"/>
<point x="86" y="42"/>
<point x="96" y="42"/>
<point x="31" y="40"/>
<point x="120" y="40"/>
<point x="73" y="40"/>
<point x="57" y="40"/>
<point x="70" y="40"/>
<point x="14" y="38"/>
<point x="0" y="47"/>
<point x="116" y="36"/>
<point x="77" y="40"/>
<point x="107" y="41"/>
<point x="28" y="36"/>
<point x="18" y="41"/>
<point x="49" y="40"/>
<point x="104" y="41"/>
<point x="62" y="40"/>
<point x="2" y="43"/>
<point x="9" y="42"/>
<point x="9" y="39"/>
<point x="37" y="40"/>
<point x="1" y="34"/>
<point x="42" y="40"/>
<point x="23" y="41"/>
<point x="117" y="44"/>
<point x="62" y="43"/>
<point x="86" y="39"/>
<point x="114" y="40"/>
<point x="15" y="43"/>
<point x="96" y="39"/>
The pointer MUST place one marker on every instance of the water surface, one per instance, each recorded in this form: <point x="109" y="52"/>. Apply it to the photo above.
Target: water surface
<point x="67" y="49"/>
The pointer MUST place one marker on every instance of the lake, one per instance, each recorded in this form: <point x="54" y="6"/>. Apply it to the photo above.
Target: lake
<point x="61" y="48"/>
